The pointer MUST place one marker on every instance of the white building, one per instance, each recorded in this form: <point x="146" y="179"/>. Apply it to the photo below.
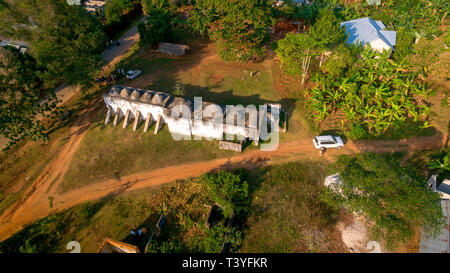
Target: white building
<point x="94" y="6"/>
<point x="366" y="31"/>
<point x="21" y="46"/>
<point x="150" y="106"/>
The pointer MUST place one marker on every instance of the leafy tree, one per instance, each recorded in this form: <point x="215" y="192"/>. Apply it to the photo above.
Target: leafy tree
<point x="327" y="32"/>
<point x="229" y="190"/>
<point x="242" y="32"/>
<point x="21" y="95"/>
<point x="157" y="29"/>
<point x="291" y="50"/>
<point x="150" y="5"/>
<point x="238" y="27"/>
<point x="405" y="42"/>
<point x="179" y="89"/>
<point x="295" y="52"/>
<point x="64" y="43"/>
<point x="114" y="9"/>
<point x="63" y="39"/>
<point x="340" y="61"/>
<point x="391" y="196"/>
<point x="205" y="13"/>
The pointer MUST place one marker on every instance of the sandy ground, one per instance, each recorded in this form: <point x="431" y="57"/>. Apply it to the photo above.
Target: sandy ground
<point x="355" y="236"/>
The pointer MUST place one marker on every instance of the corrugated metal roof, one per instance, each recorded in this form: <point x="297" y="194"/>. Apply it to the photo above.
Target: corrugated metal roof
<point x="366" y="30"/>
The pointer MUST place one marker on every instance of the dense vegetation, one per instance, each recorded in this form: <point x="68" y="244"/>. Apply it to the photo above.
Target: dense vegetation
<point x="229" y="191"/>
<point x="115" y="9"/>
<point x="185" y="205"/>
<point x="21" y="89"/>
<point x="395" y="198"/>
<point x="238" y="27"/>
<point x="379" y="95"/>
<point x="287" y="214"/>
<point x="64" y="44"/>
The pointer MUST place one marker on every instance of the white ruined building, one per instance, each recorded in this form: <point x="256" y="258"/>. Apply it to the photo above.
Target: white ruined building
<point x="184" y="118"/>
<point x="93" y="6"/>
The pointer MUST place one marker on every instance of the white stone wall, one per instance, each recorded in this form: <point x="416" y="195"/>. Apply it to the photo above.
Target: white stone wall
<point x="133" y="106"/>
<point x="187" y="125"/>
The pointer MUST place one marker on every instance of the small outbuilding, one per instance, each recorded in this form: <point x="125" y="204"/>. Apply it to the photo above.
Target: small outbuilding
<point x="367" y="31"/>
<point x="173" y="49"/>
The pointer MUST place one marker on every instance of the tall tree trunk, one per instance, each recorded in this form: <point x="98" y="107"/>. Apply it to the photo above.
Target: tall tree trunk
<point x="305" y="66"/>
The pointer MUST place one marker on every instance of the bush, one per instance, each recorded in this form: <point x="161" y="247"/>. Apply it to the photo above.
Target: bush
<point x="229" y="190"/>
<point x="292" y="50"/>
<point x="340" y="61"/>
<point x="157" y="28"/>
<point x="395" y="198"/>
<point x="238" y="27"/>
<point x="114" y="9"/>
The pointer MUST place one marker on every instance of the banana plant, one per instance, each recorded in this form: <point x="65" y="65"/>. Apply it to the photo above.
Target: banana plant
<point x="440" y="164"/>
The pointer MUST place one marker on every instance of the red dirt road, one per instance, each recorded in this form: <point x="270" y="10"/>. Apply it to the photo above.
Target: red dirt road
<point x="35" y="204"/>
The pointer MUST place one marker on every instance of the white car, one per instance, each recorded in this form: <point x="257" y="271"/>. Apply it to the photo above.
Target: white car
<point x="328" y="142"/>
<point x="132" y="74"/>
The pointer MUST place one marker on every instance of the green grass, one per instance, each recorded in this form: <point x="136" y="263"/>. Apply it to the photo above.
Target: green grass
<point x="20" y="167"/>
<point x="110" y="152"/>
<point x="113" y="217"/>
<point x="287" y="215"/>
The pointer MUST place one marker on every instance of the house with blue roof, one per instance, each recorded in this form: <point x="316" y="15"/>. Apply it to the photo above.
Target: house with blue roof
<point x="368" y="31"/>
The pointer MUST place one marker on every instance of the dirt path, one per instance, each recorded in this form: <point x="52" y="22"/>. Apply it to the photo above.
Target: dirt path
<point x="126" y="42"/>
<point x="35" y="203"/>
<point x="32" y="202"/>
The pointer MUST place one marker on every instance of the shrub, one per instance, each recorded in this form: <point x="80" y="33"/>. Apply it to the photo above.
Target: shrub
<point x="393" y="197"/>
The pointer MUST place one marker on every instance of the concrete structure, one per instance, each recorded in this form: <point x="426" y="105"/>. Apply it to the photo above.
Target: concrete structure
<point x="232" y="146"/>
<point x="334" y="183"/>
<point x="366" y="31"/>
<point x="94" y="6"/>
<point x="172" y="49"/>
<point x="21" y="46"/>
<point x="440" y="244"/>
<point x="443" y="189"/>
<point x="181" y="117"/>
<point x="374" y="2"/>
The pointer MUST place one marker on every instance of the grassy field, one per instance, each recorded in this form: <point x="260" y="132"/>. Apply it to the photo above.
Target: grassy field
<point x="285" y="216"/>
<point x="21" y="166"/>
<point x="108" y="152"/>
<point x="183" y="203"/>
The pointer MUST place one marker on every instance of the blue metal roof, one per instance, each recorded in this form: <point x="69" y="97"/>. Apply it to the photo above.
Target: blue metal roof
<point x="366" y="30"/>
